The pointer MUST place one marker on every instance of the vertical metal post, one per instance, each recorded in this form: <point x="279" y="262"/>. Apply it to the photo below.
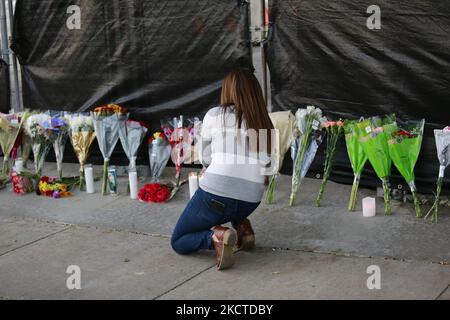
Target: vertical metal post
<point x="4" y="33"/>
<point x="15" y="74"/>
<point x="263" y="51"/>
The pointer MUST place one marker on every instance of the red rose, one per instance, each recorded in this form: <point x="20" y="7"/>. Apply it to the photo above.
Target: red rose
<point x="45" y="179"/>
<point x="153" y="188"/>
<point x="147" y="192"/>
<point x="154" y="193"/>
<point x="143" y="195"/>
<point x="162" y="195"/>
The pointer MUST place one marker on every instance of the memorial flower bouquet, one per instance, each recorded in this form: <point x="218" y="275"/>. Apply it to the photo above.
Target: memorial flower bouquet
<point x="443" y="150"/>
<point x="405" y="142"/>
<point x="37" y="126"/>
<point x="16" y="147"/>
<point x="10" y="128"/>
<point x="25" y="147"/>
<point x="159" y="151"/>
<point x="82" y="134"/>
<point x="106" y="124"/>
<point x="131" y="134"/>
<point x="22" y="183"/>
<point x="374" y="141"/>
<point x="357" y="158"/>
<point x="334" y="130"/>
<point x="59" y="127"/>
<point x="50" y="187"/>
<point x="307" y="138"/>
<point x="180" y="132"/>
<point x="283" y="123"/>
<point x="155" y="192"/>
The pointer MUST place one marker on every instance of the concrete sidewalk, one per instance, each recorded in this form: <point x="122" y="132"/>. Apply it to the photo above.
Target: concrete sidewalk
<point x="122" y="247"/>
<point x="35" y="255"/>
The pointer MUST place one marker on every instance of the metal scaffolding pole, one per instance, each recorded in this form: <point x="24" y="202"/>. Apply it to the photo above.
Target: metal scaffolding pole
<point x="18" y="105"/>
<point x="8" y="56"/>
<point x="263" y="50"/>
<point x="4" y="33"/>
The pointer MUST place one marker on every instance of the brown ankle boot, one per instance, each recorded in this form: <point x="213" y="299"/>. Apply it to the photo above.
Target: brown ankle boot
<point x="224" y="246"/>
<point x="245" y="236"/>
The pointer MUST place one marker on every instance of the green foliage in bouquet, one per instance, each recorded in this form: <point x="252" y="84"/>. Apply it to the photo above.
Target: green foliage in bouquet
<point x="405" y="142"/>
<point x="10" y="127"/>
<point x="357" y="158"/>
<point x="308" y="122"/>
<point x="334" y="130"/>
<point x="374" y="141"/>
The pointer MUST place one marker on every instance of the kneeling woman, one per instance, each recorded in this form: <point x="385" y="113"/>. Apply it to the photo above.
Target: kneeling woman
<point x="232" y="186"/>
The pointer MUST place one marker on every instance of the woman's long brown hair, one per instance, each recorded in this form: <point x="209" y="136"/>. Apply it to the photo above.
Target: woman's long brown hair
<point x="242" y="91"/>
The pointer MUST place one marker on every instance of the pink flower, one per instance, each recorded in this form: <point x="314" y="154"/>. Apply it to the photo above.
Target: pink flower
<point x="378" y="130"/>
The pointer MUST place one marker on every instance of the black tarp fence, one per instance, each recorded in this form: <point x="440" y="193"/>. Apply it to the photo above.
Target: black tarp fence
<point x="5" y="103"/>
<point x="321" y="52"/>
<point x="156" y="58"/>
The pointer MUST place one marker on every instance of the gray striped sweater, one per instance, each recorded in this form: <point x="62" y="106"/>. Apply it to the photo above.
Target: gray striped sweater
<point x="233" y="171"/>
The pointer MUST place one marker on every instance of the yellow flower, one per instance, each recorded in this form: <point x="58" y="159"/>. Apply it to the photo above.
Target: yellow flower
<point x="46" y="187"/>
<point x="157" y="135"/>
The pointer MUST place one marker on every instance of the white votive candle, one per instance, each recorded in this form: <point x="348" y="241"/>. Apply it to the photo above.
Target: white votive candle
<point x="89" y="177"/>
<point x="133" y="177"/>
<point x="369" y="207"/>
<point x="193" y="183"/>
<point x="18" y="165"/>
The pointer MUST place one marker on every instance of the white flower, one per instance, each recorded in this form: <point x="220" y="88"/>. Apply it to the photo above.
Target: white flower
<point x="315" y="112"/>
<point x="300" y="115"/>
<point x="303" y="115"/>
<point x="81" y="122"/>
<point x="36" y="124"/>
<point x="310" y="109"/>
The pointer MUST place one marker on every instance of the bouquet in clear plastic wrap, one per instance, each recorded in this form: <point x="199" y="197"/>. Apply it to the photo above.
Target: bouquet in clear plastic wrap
<point x="59" y="126"/>
<point x="131" y="134"/>
<point x="283" y="123"/>
<point x="106" y="124"/>
<point x="443" y="151"/>
<point x="181" y="133"/>
<point x="16" y="147"/>
<point x="26" y="148"/>
<point x="405" y="142"/>
<point x="82" y="134"/>
<point x="308" y="137"/>
<point x="316" y="141"/>
<point x="374" y="141"/>
<point x="37" y="127"/>
<point x="334" y="130"/>
<point x="357" y="158"/>
<point x="159" y="151"/>
<point x="10" y="128"/>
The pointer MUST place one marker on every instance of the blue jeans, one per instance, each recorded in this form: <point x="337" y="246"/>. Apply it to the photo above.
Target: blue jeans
<point x="205" y="210"/>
